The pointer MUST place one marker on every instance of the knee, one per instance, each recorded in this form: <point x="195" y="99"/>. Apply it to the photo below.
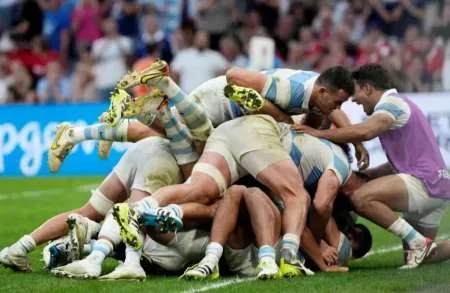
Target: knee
<point x="90" y="212"/>
<point x="203" y="193"/>
<point x="360" y="201"/>
<point x="235" y="192"/>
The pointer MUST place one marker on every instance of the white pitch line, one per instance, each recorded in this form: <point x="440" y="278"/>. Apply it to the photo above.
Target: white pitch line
<point x="218" y="285"/>
<point x="42" y="192"/>
<point x="397" y="247"/>
<point x="227" y="283"/>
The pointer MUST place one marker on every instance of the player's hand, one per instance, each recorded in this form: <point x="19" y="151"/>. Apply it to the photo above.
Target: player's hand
<point x="306" y="129"/>
<point x="336" y="269"/>
<point x="362" y="155"/>
<point x="330" y="255"/>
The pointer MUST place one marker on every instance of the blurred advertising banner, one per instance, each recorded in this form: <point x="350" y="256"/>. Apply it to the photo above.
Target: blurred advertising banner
<point x="435" y="106"/>
<point x="26" y="132"/>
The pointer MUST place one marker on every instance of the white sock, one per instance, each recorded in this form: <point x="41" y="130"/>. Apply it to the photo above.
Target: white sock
<point x="145" y="205"/>
<point x="213" y="253"/>
<point x="132" y="256"/>
<point x="87" y="248"/>
<point x="100" y="131"/>
<point x="110" y="229"/>
<point x="291" y="242"/>
<point x="406" y="232"/>
<point x="100" y="249"/>
<point x="266" y="252"/>
<point x="25" y="245"/>
<point x="176" y="209"/>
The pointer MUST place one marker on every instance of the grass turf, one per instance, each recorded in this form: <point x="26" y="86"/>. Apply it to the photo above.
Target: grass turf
<point x="26" y="203"/>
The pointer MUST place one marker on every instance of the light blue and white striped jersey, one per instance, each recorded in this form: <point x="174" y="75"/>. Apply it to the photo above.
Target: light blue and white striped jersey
<point x="315" y="155"/>
<point x="290" y="89"/>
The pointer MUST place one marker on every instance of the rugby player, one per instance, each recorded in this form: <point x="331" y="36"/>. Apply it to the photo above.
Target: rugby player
<point x="415" y="179"/>
<point x="144" y="168"/>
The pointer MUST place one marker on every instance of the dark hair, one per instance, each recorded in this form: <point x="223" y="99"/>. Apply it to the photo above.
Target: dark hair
<point x="362" y="235"/>
<point x="374" y="75"/>
<point x="336" y="78"/>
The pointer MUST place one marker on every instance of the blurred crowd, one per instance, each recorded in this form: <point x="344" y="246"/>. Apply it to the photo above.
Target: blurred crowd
<point x="55" y="51"/>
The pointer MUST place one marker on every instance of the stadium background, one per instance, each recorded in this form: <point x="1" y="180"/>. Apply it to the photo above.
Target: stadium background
<point x="60" y="58"/>
<point x="50" y="72"/>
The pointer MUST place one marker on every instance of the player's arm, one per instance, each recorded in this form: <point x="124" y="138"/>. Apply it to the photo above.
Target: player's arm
<point x="363" y="131"/>
<point x="341" y="120"/>
<point x="326" y="193"/>
<point x="246" y="78"/>
<point x="271" y="109"/>
<point x="381" y="170"/>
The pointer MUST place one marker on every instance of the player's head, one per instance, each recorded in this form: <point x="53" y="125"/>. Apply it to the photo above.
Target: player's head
<point x="332" y="88"/>
<point x="371" y="81"/>
<point x="360" y="239"/>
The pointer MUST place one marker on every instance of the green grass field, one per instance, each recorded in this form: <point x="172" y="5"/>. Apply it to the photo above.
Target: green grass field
<point x="26" y="203"/>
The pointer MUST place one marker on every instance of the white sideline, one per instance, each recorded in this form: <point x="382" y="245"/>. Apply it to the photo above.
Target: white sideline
<point x="227" y="283"/>
<point x="217" y="285"/>
<point x="42" y="192"/>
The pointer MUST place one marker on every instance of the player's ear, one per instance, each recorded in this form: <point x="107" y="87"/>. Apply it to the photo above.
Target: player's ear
<point x="367" y="89"/>
<point x="322" y="90"/>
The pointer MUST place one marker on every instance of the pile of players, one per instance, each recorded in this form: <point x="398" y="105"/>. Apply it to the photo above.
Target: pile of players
<point x="251" y="166"/>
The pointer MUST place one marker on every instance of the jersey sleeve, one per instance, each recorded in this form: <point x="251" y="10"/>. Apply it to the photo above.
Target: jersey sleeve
<point x="286" y="94"/>
<point x="339" y="164"/>
<point x="394" y="107"/>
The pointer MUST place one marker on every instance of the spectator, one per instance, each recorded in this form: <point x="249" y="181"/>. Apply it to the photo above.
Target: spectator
<point x="197" y="64"/>
<point x="20" y="86"/>
<point x="231" y="49"/>
<point x="83" y="84"/>
<point x="5" y="79"/>
<point x="268" y="10"/>
<point x="215" y="17"/>
<point x="170" y="13"/>
<point x="9" y="12"/>
<point x="86" y="22"/>
<point x="413" y="12"/>
<point x="295" y="58"/>
<point x="153" y="36"/>
<point x="446" y="69"/>
<point x="111" y="54"/>
<point x="125" y="12"/>
<point x="37" y="57"/>
<point x="283" y="34"/>
<point x="252" y="27"/>
<point x="442" y="25"/>
<point x="54" y="87"/>
<point x="56" y="27"/>
<point x="30" y="22"/>
<point x="310" y="46"/>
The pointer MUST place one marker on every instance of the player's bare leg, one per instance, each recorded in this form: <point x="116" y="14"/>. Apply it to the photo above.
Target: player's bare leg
<point x="110" y="191"/>
<point x="377" y="200"/>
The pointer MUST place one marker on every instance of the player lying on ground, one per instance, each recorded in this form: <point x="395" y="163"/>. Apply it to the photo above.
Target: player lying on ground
<point x="263" y="215"/>
<point x="227" y="158"/>
<point x="144" y="168"/>
<point x="323" y="94"/>
<point x="169" y="252"/>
